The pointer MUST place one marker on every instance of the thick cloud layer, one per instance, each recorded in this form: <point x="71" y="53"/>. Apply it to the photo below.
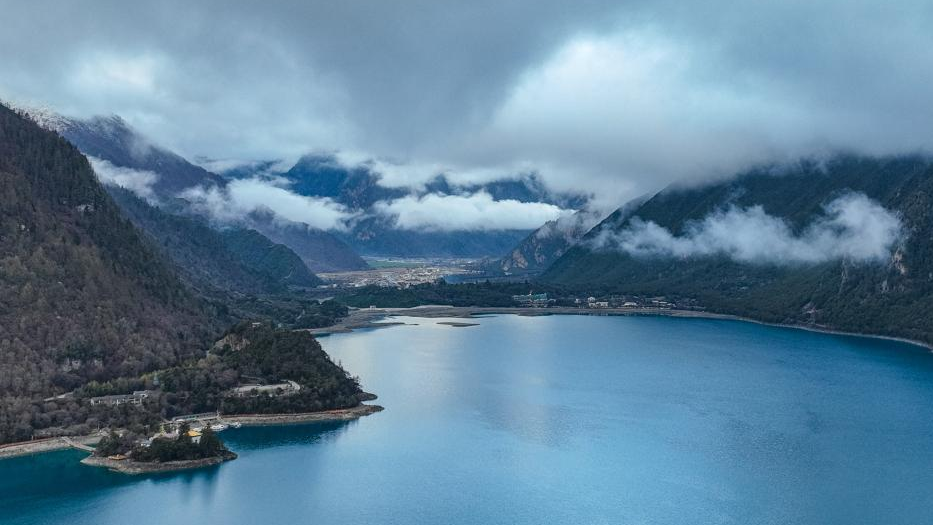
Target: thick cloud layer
<point x="434" y="212"/>
<point x="615" y="97"/>
<point x="139" y="182"/>
<point x="242" y="197"/>
<point x="853" y="227"/>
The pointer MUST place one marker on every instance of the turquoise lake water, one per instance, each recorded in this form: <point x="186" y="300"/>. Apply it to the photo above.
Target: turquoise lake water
<point x="562" y="419"/>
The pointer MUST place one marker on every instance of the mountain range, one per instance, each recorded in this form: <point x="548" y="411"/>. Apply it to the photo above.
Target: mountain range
<point x="123" y="157"/>
<point x="359" y="190"/>
<point x="163" y="177"/>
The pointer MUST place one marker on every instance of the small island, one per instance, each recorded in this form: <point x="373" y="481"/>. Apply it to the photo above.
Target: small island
<point x="182" y="448"/>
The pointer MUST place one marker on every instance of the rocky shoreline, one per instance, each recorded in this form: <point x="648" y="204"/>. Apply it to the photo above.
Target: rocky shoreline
<point x="61" y="443"/>
<point x="128" y="466"/>
<point x="343" y="414"/>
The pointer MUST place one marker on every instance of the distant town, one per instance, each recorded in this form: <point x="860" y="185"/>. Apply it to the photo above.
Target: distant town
<point x="399" y="272"/>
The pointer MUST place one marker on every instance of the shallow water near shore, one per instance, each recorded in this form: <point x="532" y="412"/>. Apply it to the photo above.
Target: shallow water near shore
<point x="558" y="419"/>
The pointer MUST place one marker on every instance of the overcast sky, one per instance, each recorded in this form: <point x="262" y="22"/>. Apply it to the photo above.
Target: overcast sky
<point x="613" y="97"/>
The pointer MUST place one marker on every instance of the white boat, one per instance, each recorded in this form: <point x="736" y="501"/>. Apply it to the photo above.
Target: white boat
<point x="218" y="427"/>
<point x="236" y="424"/>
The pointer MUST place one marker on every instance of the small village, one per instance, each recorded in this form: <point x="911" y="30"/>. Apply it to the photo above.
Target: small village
<point x="192" y="424"/>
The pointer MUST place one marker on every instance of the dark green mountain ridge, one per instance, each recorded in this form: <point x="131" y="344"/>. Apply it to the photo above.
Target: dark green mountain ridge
<point x="892" y="297"/>
<point x="235" y="260"/>
<point x="82" y="294"/>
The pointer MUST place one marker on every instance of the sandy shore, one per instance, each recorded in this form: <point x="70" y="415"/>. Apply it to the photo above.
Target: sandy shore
<point x="128" y="466"/>
<point x="367" y="318"/>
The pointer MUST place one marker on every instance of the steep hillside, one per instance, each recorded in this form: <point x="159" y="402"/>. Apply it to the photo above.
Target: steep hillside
<point x="111" y="139"/>
<point x="82" y="294"/>
<point x="889" y="296"/>
<point x="236" y="261"/>
<point x="275" y="261"/>
<point x="536" y="252"/>
<point x="320" y="251"/>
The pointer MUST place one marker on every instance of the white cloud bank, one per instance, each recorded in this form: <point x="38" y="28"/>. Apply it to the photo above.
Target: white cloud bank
<point x="242" y="197"/>
<point x="478" y="211"/>
<point x="618" y="98"/>
<point x="853" y="227"/>
<point x="139" y="182"/>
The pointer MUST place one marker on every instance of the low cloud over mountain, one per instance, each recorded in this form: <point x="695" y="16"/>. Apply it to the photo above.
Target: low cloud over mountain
<point x="852" y="227"/>
<point x="478" y="211"/>
<point x="242" y="197"/>
<point x="139" y="182"/>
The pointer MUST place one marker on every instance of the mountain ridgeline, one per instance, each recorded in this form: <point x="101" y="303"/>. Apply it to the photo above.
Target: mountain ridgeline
<point x="893" y="296"/>
<point x="82" y="294"/>
<point x="113" y="141"/>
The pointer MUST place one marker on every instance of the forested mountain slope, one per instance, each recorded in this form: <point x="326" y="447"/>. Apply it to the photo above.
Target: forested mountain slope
<point x="235" y="260"/>
<point x="111" y="139"/>
<point x="892" y="295"/>
<point x="536" y="252"/>
<point x="321" y="251"/>
<point x="82" y="294"/>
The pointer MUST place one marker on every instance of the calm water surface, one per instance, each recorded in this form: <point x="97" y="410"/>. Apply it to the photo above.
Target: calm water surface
<point x="564" y="419"/>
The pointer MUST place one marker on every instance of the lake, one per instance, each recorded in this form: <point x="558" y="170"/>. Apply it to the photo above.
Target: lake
<point x="560" y="419"/>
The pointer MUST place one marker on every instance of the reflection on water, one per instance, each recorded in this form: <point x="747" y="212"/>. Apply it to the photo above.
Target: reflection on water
<point x="557" y="420"/>
<point x="255" y="438"/>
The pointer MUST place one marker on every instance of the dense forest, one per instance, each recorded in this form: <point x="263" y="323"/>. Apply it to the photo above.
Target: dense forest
<point x="162" y="449"/>
<point x="893" y="297"/>
<point x="90" y="305"/>
<point x="238" y="271"/>
<point x="82" y="294"/>
<point x="248" y="353"/>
